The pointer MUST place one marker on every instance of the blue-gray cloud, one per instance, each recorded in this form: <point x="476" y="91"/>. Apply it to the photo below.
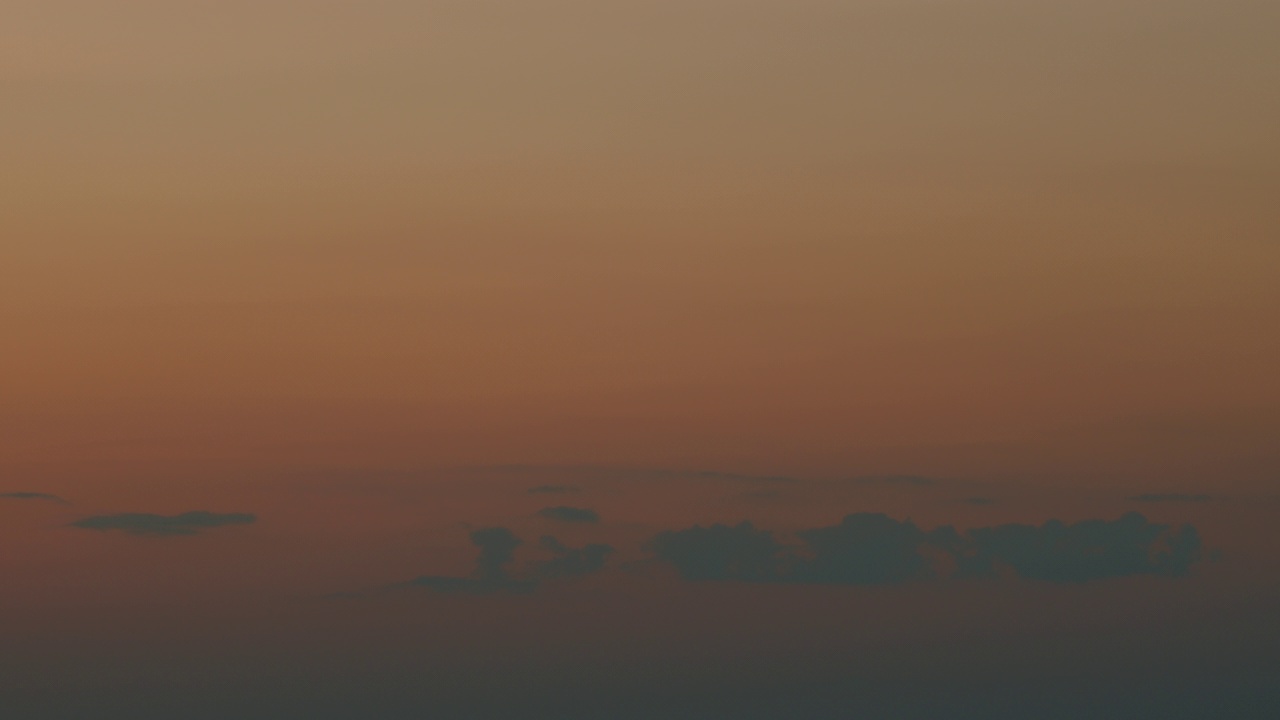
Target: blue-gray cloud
<point x="148" y="524"/>
<point x="568" y="514"/>
<point x="1169" y="498"/>
<point x="497" y="551"/>
<point x="33" y="496"/>
<point x="874" y="549"/>
<point x="722" y="552"/>
<point x="1087" y="550"/>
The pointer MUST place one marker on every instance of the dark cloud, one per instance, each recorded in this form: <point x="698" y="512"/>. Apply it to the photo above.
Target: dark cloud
<point x="555" y="490"/>
<point x="979" y="501"/>
<point x="568" y="514"/>
<point x="148" y="524"/>
<point x="573" y="562"/>
<point x="33" y="496"/>
<point x="874" y="549"/>
<point x="1169" y="498"/>
<point x="864" y="549"/>
<point x="1087" y="550"/>
<point x="497" y="551"/>
<point x="721" y="552"/>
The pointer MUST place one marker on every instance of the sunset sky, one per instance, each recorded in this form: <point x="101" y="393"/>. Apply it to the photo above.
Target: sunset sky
<point x="316" y="316"/>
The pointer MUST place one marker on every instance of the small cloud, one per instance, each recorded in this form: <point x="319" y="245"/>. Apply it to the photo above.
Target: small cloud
<point x="33" y="496"/>
<point x="568" y="514"/>
<point x="148" y="524"/>
<point x="555" y="490"/>
<point x="1169" y="498"/>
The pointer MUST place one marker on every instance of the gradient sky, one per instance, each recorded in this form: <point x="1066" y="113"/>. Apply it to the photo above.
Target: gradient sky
<point x="368" y="271"/>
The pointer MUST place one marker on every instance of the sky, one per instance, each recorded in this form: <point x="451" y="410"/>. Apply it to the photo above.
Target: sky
<point x="381" y="358"/>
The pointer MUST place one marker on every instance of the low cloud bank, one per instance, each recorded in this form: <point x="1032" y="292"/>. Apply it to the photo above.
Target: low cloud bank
<point x="148" y="524"/>
<point x="875" y="549"/>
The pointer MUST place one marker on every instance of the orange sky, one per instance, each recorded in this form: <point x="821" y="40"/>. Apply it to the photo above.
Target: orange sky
<point x="953" y="236"/>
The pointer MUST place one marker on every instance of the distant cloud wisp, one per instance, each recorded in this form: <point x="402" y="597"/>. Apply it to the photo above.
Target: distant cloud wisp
<point x="567" y="514"/>
<point x="33" y="496"/>
<point x="147" y="524"/>
<point x="555" y="490"/>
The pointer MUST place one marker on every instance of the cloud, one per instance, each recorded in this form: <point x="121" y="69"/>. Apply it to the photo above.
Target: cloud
<point x="33" y="496"/>
<point x="568" y="514"/>
<point x="721" y="552"/>
<point x="554" y="490"/>
<point x="573" y="562"/>
<point x="1087" y="550"/>
<point x="148" y="524"/>
<point x="874" y="549"/>
<point x="979" y="501"/>
<point x="864" y="549"/>
<point x="1169" y="498"/>
<point x="497" y="548"/>
<point x="497" y="551"/>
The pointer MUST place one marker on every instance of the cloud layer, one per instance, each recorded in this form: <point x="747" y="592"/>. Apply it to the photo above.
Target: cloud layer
<point x="148" y="524"/>
<point x="874" y="549"/>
